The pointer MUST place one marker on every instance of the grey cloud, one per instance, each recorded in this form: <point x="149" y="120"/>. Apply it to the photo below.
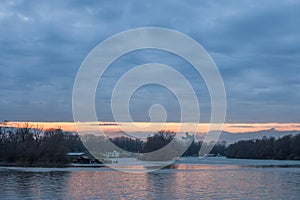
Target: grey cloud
<point x="254" y="44"/>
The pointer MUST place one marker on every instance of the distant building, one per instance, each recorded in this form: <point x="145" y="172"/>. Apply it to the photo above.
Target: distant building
<point x="111" y="157"/>
<point x="113" y="154"/>
<point x="188" y="138"/>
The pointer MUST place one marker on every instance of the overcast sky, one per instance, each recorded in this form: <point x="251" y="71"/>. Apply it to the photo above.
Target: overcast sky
<point x="255" y="44"/>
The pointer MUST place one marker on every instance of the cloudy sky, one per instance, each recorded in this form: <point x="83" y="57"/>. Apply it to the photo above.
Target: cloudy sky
<point x="255" y="44"/>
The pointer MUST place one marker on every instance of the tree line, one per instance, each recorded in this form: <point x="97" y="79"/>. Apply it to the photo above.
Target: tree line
<point x="34" y="145"/>
<point x="159" y="146"/>
<point x="284" y="148"/>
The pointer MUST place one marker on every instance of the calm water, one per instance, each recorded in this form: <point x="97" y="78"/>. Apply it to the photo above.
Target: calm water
<point x="191" y="178"/>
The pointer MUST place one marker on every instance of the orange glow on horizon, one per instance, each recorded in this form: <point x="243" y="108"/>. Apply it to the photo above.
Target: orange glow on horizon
<point x="154" y="127"/>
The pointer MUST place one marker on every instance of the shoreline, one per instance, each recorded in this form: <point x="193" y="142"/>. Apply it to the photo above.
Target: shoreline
<point x="38" y="165"/>
<point x="197" y="159"/>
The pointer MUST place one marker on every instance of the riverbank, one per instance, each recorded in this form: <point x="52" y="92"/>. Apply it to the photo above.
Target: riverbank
<point x="192" y="161"/>
<point x="19" y="164"/>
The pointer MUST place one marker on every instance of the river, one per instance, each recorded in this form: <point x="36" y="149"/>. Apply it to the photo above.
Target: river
<point x="188" y="178"/>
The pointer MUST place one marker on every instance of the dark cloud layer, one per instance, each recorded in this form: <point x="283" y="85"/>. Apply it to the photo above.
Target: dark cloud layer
<point x="255" y="44"/>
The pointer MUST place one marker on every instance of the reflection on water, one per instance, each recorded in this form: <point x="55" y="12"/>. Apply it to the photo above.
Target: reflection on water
<point x="181" y="181"/>
<point x="23" y="184"/>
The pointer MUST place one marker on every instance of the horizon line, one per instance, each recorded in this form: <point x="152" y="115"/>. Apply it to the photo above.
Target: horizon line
<point x="203" y="127"/>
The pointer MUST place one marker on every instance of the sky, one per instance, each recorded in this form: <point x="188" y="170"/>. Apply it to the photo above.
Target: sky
<point x="255" y="45"/>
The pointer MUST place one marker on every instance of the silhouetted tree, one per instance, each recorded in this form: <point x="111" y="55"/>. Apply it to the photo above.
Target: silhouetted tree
<point x="193" y="149"/>
<point x="158" y="141"/>
<point x="219" y="148"/>
<point x="162" y="146"/>
<point x="283" y="148"/>
<point x="32" y="145"/>
<point x="128" y="144"/>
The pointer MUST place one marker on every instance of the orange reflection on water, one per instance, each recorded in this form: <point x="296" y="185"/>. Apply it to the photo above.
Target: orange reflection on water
<point x="107" y="183"/>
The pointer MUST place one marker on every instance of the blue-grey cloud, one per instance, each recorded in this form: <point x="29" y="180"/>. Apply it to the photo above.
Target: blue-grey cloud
<point x="255" y="45"/>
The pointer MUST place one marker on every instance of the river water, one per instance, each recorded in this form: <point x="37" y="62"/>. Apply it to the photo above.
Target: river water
<point x="189" y="178"/>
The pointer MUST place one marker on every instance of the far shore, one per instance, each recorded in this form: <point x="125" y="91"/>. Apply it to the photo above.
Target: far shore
<point x="68" y="165"/>
<point x="59" y="165"/>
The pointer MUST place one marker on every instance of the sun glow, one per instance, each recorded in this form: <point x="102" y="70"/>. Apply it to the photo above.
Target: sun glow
<point x="108" y="127"/>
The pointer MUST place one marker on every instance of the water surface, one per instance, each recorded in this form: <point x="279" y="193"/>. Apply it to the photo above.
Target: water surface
<point x="190" y="178"/>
